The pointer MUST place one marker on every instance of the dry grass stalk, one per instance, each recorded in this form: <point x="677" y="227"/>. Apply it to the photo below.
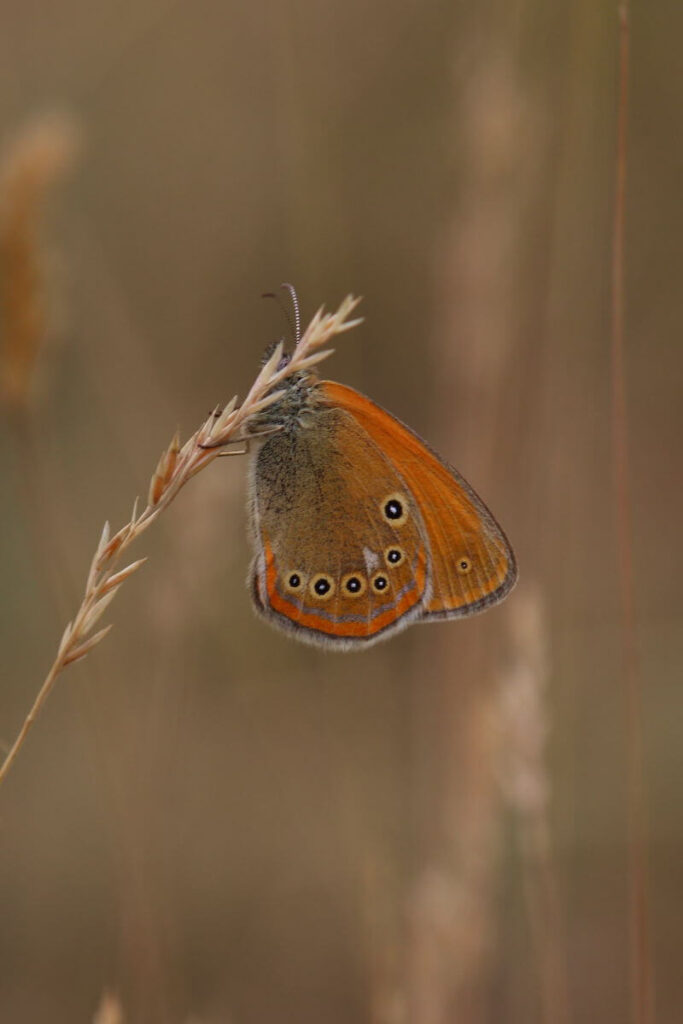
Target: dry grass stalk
<point x="642" y="968"/>
<point x="526" y="787"/>
<point x="451" y="918"/>
<point x="524" y="777"/>
<point x="176" y="466"/>
<point x="32" y="164"/>
<point x="109" y="1011"/>
<point x="454" y="911"/>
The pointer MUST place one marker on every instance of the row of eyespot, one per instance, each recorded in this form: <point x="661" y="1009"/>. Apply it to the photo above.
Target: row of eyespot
<point x="353" y="584"/>
<point x="322" y="586"/>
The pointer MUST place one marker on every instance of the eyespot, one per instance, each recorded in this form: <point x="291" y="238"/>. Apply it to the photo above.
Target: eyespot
<point x="294" y="581"/>
<point x="353" y="584"/>
<point x="321" y="586"/>
<point x="379" y="582"/>
<point x="464" y="566"/>
<point x="394" y="509"/>
<point x="393" y="556"/>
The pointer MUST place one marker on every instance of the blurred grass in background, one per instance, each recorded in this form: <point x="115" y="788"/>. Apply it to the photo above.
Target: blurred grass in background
<point x="209" y="820"/>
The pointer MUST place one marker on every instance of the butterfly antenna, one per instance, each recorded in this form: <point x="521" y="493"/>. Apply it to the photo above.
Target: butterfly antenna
<point x="295" y="306"/>
<point x="293" y="327"/>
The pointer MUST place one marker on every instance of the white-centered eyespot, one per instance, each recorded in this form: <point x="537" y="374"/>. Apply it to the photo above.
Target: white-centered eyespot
<point x="464" y="565"/>
<point x="353" y="584"/>
<point x="394" y="556"/>
<point x="379" y="582"/>
<point x="321" y="586"/>
<point x="294" y="581"/>
<point x="394" y="508"/>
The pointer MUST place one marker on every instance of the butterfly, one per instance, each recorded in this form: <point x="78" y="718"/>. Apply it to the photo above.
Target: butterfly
<point x="359" y="528"/>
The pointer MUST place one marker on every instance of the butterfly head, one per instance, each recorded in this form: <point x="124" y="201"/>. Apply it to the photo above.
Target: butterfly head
<point x="295" y="408"/>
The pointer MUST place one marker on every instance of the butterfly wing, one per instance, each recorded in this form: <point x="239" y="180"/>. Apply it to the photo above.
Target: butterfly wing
<point x="341" y="555"/>
<point x="472" y="565"/>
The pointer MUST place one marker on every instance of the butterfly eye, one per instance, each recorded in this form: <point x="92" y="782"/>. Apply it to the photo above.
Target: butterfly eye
<point x="464" y="566"/>
<point x="353" y="584"/>
<point x="321" y="586"/>
<point x="394" y="556"/>
<point x="379" y="582"/>
<point x="395" y="509"/>
<point x="294" y="581"/>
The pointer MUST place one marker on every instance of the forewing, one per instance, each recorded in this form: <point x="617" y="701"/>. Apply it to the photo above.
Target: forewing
<point x="472" y="563"/>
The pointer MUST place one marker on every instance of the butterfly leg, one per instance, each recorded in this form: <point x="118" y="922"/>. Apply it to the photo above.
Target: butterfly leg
<point x="239" y="451"/>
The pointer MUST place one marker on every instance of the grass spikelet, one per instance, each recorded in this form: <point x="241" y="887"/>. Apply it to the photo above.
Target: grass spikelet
<point x="164" y="471"/>
<point x="122" y="575"/>
<point x="224" y="417"/>
<point x="317" y="357"/>
<point x="76" y="653"/>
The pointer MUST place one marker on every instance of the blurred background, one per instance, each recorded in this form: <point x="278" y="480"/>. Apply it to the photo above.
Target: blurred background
<point x="211" y="824"/>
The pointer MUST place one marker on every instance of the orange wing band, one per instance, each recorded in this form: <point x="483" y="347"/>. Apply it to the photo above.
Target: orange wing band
<point x="342" y="628"/>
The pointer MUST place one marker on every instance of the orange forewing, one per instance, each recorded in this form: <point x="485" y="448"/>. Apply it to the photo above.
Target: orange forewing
<point x="460" y="528"/>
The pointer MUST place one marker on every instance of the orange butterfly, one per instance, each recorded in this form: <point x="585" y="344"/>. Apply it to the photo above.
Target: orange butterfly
<point x="358" y="527"/>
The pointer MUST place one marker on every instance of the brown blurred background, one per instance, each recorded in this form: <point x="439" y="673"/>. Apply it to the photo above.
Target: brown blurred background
<point x="210" y="821"/>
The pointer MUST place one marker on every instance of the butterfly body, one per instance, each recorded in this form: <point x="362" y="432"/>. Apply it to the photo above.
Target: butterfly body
<point x="359" y="528"/>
